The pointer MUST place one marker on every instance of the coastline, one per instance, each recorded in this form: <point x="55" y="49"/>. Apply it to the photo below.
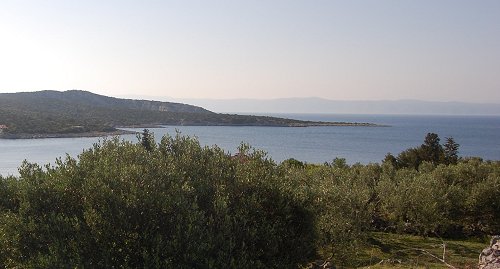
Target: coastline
<point x="312" y="145"/>
<point x="67" y="135"/>
<point x="119" y="131"/>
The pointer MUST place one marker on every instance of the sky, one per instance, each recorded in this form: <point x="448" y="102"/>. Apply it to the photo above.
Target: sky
<point x="435" y="50"/>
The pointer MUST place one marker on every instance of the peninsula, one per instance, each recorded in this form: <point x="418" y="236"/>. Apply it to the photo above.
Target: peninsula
<point x="78" y="113"/>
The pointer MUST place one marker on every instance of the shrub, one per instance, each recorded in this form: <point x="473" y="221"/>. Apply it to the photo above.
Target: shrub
<point x="176" y="205"/>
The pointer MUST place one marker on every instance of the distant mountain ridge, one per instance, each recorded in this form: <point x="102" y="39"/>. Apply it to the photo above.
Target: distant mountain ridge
<point x="320" y="105"/>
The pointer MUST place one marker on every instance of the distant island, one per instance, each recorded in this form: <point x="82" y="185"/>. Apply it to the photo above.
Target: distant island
<point x="78" y="113"/>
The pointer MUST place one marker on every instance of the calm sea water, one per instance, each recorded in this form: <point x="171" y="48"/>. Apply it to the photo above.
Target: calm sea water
<point x="477" y="136"/>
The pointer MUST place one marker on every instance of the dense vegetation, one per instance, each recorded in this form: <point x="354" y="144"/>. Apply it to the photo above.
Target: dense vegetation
<point x="178" y="204"/>
<point x="76" y="112"/>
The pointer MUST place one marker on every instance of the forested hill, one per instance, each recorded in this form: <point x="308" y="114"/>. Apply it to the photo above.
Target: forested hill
<point x="55" y="100"/>
<point x="81" y="113"/>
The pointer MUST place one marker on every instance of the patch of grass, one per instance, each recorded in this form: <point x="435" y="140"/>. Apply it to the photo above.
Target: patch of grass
<point x="386" y="250"/>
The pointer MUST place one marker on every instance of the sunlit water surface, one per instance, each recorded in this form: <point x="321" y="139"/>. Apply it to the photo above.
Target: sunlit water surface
<point x="477" y="136"/>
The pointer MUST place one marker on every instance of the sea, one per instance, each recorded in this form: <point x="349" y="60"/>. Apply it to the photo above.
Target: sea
<point x="478" y="136"/>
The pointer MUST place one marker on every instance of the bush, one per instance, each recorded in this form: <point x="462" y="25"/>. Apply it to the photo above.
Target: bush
<point x="176" y="205"/>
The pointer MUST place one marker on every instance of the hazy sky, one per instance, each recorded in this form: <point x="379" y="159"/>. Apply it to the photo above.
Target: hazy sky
<point x="346" y="50"/>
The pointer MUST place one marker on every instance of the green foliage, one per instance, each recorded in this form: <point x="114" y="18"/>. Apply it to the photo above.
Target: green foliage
<point x="293" y="163"/>
<point x="340" y="199"/>
<point x="390" y="159"/>
<point x="147" y="140"/>
<point x="178" y="204"/>
<point x="388" y="250"/>
<point x="414" y="203"/>
<point x="339" y="163"/>
<point x="451" y="151"/>
<point x="447" y="200"/>
<point x="430" y="151"/>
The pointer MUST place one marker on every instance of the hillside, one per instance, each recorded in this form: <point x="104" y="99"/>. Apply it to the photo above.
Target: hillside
<point x="81" y="113"/>
<point x="55" y="100"/>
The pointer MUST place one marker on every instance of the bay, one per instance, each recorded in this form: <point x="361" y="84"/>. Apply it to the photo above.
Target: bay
<point x="477" y="135"/>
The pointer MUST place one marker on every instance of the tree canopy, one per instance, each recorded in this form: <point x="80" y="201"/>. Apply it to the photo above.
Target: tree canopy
<point x="178" y="204"/>
<point x="430" y="151"/>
